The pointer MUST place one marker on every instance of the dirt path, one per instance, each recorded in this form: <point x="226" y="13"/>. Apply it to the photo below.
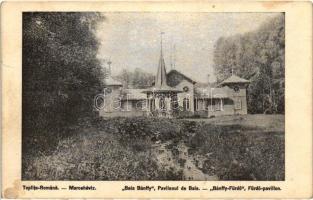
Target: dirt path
<point x="190" y="170"/>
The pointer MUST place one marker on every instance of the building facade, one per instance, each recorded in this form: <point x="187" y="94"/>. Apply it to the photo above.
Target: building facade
<point x="175" y="94"/>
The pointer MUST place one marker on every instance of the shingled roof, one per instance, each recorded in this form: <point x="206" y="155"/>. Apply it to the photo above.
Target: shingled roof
<point x="183" y="75"/>
<point x="234" y="79"/>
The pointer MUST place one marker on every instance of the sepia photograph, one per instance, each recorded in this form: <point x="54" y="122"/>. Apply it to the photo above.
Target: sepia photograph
<point x="153" y="96"/>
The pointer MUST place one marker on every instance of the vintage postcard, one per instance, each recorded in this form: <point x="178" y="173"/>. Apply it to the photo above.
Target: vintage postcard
<point x="156" y="99"/>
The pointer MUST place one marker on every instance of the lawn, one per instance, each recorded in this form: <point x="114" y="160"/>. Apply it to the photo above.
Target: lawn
<point x="247" y="147"/>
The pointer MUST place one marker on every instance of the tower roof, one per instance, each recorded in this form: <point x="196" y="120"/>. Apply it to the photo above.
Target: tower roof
<point x="160" y="79"/>
<point x="234" y="79"/>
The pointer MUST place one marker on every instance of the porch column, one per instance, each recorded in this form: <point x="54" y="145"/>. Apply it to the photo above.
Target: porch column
<point x="157" y="103"/>
<point x="222" y="104"/>
<point x="168" y="103"/>
<point x="148" y="104"/>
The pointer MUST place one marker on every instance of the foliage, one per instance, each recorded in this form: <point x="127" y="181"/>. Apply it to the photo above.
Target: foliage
<point x="135" y="128"/>
<point x="61" y="74"/>
<point x="122" y="149"/>
<point x="260" y="57"/>
<point x="241" y="153"/>
<point x="89" y="156"/>
<point x="135" y="79"/>
<point x="180" y="113"/>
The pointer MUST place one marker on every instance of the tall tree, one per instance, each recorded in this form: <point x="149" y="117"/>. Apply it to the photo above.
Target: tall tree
<point x="61" y="73"/>
<point x="258" y="56"/>
<point x="135" y="79"/>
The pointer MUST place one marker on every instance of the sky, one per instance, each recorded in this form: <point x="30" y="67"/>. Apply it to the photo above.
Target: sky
<point x="132" y="39"/>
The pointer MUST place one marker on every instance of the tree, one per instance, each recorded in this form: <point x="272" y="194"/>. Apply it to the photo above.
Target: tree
<point x="135" y="79"/>
<point x="61" y="74"/>
<point x="258" y="56"/>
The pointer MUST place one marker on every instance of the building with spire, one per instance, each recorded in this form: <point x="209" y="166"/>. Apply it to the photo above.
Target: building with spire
<point x="162" y="98"/>
<point x="175" y="94"/>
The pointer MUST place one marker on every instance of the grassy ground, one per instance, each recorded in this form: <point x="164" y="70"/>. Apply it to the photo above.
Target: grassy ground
<point x="231" y="148"/>
<point x="257" y="121"/>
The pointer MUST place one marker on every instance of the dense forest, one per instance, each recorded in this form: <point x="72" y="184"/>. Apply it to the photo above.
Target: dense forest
<point x="61" y="73"/>
<point x="259" y="57"/>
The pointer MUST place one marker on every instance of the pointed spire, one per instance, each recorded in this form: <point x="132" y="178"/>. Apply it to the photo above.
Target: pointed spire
<point x="161" y="73"/>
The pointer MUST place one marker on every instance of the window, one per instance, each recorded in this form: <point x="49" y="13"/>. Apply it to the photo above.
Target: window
<point x="152" y="104"/>
<point x="162" y="103"/>
<point x="238" y="104"/>
<point x="125" y="106"/>
<point x="219" y="105"/>
<point x="174" y="102"/>
<point x="186" y="89"/>
<point x="205" y="104"/>
<point x="197" y="105"/>
<point x="186" y="104"/>
<point x="139" y="105"/>
<point x="200" y="104"/>
<point x="236" y="88"/>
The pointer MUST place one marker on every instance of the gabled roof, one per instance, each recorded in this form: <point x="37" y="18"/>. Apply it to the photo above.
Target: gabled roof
<point x="187" y="78"/>
<point x="234" y="79"/>
<point x="109" y="81"/>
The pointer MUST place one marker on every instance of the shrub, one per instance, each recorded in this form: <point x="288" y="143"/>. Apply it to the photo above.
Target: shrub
<point x="201" y="114"/>
<point x="180" y="113"/>
<point x="240" y="156"/>
<point x="121" y="149"/>
<point x="182" y="162"/>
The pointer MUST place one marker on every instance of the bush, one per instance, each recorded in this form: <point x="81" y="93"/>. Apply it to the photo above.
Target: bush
<point x="201" y="114"/>
<point x="238" y="155"/>
<point x="180" y="113"/>
<point x="121" y="149"/>
<point x="182" y="162"/>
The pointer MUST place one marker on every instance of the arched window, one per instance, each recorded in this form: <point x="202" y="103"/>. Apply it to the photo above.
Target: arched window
<point x="219" y="104"/>
<point x="152" y="104"/>
<point x="174" y="102"/>
<point x="186" y="104"/>
<point x="162" y="105"/>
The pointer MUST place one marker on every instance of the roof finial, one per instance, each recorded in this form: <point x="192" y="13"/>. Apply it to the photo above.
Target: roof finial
<point x="109" y="63"/>
<point x="174" y="59"/>
<point x="161" y="33"/>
